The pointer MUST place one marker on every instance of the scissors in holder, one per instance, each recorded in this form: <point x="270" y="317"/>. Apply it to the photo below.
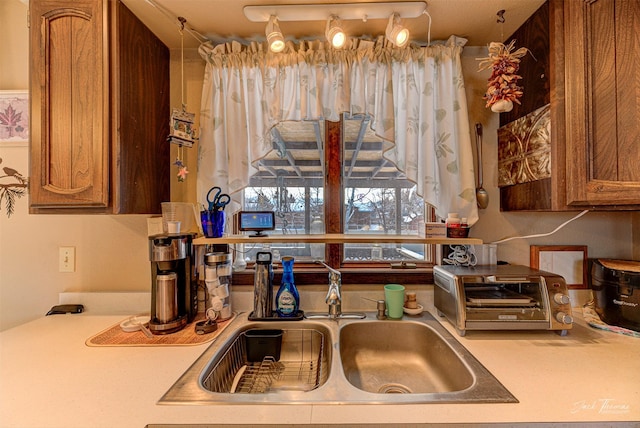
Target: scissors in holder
<point x="219" y="200"/>
<point x="222" y="201"/>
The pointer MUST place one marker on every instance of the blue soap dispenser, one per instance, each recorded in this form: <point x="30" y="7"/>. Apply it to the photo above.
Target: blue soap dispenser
<point x="287" y="299"/>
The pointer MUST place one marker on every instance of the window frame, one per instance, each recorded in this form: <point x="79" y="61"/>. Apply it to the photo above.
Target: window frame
<point x="352" y="273"/>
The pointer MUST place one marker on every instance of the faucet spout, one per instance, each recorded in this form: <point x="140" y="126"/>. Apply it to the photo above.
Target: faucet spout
<point x="334" y="297"/>
<point x="329" y="268"/>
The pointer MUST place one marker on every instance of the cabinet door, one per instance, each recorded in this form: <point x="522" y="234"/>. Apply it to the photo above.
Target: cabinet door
<point x="603" y="102"/>
<point x="140" y="115"/>
<point x="69" y="96"/>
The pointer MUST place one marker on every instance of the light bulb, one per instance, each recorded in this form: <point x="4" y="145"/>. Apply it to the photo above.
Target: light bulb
<point x="334" y="32"/>
<point x="396" y="33"/>
<point x="402" y="37"/>
<point x="275" y="39"/>
<point x="276" y="44"/>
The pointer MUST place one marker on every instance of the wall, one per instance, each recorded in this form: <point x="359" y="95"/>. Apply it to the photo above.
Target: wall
<point x="607" y="234"/>
<point x="112" y="250"/>
<point x="190" y="96"/>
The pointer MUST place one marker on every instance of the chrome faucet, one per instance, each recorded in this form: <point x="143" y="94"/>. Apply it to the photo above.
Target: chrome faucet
<point x="334" y="297"/>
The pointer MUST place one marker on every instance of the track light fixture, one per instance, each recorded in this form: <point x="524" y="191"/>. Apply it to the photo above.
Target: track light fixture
<point x="333" y="14"/>
<point x="334" y="32"/>
<point x="275" y="39"/>
<point x="396" y="33"/>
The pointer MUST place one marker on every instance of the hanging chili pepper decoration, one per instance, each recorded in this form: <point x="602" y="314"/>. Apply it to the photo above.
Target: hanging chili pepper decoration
<point x="502" y="89"/>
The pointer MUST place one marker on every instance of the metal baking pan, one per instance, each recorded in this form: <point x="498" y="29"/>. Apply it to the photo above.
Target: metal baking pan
<point x="497" y="297"/>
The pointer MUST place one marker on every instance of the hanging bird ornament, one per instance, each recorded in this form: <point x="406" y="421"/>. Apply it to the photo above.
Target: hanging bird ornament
<point x="183" y="131"/>
<point x="502" y="89"/>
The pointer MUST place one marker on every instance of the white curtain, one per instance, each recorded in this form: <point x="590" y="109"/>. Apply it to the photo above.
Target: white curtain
<point x="415" y="96"/>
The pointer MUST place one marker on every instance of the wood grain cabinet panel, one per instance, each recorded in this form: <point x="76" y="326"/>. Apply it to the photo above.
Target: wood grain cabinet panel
<point x="603" y="102"/>
<point x="100" y="109"/>
<point x="586" y="64"/>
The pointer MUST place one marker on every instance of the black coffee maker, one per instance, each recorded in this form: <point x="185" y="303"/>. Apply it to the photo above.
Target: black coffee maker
<point x="174" y="300"/>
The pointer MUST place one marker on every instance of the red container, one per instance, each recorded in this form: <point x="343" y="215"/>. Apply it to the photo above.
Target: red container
<point x="458" y="232"/>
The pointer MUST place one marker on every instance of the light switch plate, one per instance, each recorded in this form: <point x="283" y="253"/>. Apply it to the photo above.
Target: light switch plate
<point x="67" y="259"/>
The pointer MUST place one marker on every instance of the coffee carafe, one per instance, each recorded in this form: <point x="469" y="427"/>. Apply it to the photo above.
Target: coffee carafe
<point x="174" y="301"/>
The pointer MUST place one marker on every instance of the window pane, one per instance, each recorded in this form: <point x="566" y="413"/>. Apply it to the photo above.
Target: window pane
<point x="291" y="183"/>
<point x="378" y="198"/>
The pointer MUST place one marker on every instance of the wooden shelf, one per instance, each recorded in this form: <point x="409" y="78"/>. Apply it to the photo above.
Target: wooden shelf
<point x="335" y="238"/>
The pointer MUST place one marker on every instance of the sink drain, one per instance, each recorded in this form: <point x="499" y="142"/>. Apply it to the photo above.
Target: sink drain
<point x="394" y="388"/>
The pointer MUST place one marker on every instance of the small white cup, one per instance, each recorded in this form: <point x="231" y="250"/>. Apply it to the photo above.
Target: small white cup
<point x="222" y="291"/>
<point x="216" y="303"/>
<point x="173" y="226"/>
<point x="211" y="314"/>
<point x="212" y="286"/>
<point x="225" y="312"/>
<point x="210" y="273"/>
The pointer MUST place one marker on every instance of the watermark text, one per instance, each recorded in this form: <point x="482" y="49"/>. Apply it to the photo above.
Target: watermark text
<point x="602" y="405"/>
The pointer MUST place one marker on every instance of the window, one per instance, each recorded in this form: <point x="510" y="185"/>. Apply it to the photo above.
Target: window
<point x="332" y="178"/>
<point x="378" y="199"/>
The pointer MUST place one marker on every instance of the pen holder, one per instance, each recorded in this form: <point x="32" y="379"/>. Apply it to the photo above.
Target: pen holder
<point x="213" y="223"/>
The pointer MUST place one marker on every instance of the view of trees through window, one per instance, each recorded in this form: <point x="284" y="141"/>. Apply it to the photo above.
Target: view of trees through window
<point x="376" y="197"/>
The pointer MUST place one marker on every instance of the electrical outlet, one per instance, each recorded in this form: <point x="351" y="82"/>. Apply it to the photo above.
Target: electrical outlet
<point x="67" y="259"/>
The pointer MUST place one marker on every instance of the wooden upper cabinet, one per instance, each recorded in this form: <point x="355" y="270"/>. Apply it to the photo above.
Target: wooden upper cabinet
<point x="99" y="109"/>
<point x="70" y="109"/>
<point x="603" y="102"/>
<point x="587" y="67"/>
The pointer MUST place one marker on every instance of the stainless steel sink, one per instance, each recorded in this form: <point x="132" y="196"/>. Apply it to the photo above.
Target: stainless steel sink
<point x="296" y="359"/>
<point x="401" y="357"/>
<point x="358" y="361"/>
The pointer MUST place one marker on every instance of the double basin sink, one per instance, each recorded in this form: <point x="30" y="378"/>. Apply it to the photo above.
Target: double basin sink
<point x="414" y="360"/>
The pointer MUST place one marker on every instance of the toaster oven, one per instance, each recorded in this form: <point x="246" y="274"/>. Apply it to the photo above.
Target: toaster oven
<point x="503" y="297"/>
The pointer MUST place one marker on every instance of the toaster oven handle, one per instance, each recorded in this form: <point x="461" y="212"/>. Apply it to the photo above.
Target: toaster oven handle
<point x="508" y="279"/>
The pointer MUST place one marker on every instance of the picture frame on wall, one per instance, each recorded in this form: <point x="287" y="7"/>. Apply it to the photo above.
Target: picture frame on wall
<point x="568" y="261"/>
<point x="14" y="118"/>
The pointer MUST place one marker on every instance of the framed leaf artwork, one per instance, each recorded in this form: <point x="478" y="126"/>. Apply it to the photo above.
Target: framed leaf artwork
<point x="14" y="118"/>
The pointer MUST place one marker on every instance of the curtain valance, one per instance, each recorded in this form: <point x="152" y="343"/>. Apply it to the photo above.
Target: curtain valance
<point x="415" y="97"/>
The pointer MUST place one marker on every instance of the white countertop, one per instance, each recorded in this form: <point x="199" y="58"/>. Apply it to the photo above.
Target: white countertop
<point x="50" y="378"/>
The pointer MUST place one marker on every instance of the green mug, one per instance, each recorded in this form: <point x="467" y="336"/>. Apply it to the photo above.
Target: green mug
<point x="394" y="297"/>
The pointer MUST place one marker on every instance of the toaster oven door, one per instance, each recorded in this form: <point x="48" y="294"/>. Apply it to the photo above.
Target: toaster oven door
<point x="498" y="304"/>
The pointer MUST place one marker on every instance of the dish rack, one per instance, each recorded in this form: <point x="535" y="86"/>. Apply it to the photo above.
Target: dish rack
<point x="303" y="366"/>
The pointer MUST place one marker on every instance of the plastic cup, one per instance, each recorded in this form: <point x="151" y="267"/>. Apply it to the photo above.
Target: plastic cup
<point x="173" y="226"/>
<point x="394" y="297"/>
<point x="225" y="313"/>
<point x="222" y="291"/>
<point x="213" y="223"/>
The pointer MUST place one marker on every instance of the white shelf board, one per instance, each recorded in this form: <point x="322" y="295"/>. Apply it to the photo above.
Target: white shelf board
<point x="336" y="238"/>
